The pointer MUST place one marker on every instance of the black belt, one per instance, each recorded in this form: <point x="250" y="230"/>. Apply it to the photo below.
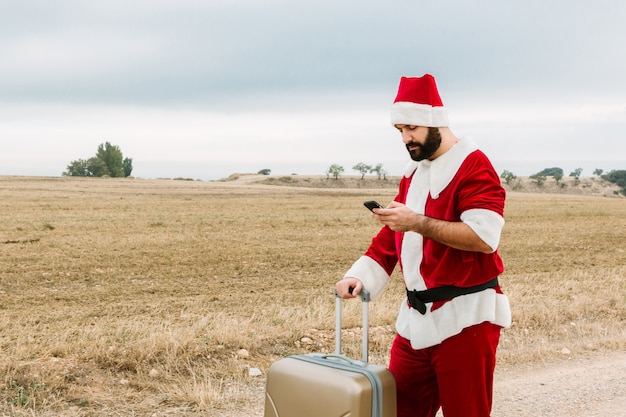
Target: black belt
<point x="418" y="299"/>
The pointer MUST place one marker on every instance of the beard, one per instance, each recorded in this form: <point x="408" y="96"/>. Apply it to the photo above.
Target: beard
<point x="428" y="148"/>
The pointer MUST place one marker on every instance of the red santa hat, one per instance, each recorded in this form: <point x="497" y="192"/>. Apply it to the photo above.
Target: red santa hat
<point x="418" y="103"/>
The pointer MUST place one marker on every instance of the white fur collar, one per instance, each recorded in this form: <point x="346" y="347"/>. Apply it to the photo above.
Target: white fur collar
<point x="445" y="167"/>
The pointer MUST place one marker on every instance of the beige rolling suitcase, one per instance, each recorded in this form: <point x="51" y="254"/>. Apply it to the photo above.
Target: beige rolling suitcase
<point x="321" y="385"/>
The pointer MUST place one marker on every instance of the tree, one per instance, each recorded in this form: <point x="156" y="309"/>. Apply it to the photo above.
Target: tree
<point x="558" y="176"/>
<point x="617" y="177"/>
<point x="539" y="178"/>
<point x="112" y="157"/>
<point x="507" y="176"/>
<point x="335" y="170"/>
<point x="108" y="161"/>
<point x="551" y="172"/>
<point x="576" y="174"/>
<point x="378" y="169"/>
<point x="127" y="166"/>
<point x="598" y="172"/>
<point x="264" y="171"/>
<point x="362" y="168"/>
<point x="92" y="167"/>
<point x="96" y="167"/>
<point x="77" y="168"/>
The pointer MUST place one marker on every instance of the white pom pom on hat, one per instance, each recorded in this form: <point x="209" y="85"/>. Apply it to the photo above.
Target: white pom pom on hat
<point x="418" y="103"/>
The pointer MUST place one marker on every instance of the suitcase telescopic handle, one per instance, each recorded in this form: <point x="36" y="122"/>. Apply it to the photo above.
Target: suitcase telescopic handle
<point x="365" y="297"/>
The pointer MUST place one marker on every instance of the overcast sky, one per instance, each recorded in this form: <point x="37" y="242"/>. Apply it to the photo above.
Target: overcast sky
<point x="205" y="88"/>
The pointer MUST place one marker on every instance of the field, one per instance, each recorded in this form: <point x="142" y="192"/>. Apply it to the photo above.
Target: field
<point x="128" y="297"/>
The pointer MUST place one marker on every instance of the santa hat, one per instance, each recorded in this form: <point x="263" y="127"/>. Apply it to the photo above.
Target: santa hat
<point x="418" y="103"/>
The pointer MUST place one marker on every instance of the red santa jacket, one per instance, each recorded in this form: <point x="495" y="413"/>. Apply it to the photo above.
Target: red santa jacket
<point x="460" y="185"/>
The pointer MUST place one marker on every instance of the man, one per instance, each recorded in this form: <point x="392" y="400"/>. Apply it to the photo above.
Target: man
<point x="443" y="229"/>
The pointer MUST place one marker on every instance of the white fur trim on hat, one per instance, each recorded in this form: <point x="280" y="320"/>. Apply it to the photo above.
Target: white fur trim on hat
<point x="415" y="114"/>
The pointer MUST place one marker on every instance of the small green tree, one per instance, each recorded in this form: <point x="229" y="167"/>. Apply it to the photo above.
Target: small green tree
<point x="77" y="168"/>
<point x="127" y="166"/>
<point x="539" y="178"/>
<point x="576" y="174"/>
<point x="97" y="167"/>
<point x="507" y="176"/>
<point x="112" y="157"/>
<point x="335" y="170"/>
<point x="598" y="172"/>
<point x="92" y="167"/>
<point x="617" y="177"/>
<point x="362" y="168"/>
<point x="378" y="169"/>
<point x="264" y="171"/>
<point x="558" y="176"/>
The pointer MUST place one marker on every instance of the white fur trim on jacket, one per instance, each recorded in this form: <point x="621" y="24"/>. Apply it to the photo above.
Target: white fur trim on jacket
<point x="432" y="328"/>
<point x="371" y="274"/>
<point x="486" y="224"/>
<point x="444" y="168"/>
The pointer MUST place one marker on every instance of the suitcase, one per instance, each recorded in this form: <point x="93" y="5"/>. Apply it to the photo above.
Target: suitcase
<point x="331" y="385"/>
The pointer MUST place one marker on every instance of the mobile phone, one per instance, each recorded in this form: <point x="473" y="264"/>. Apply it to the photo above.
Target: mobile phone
<point x="371" y="204"/>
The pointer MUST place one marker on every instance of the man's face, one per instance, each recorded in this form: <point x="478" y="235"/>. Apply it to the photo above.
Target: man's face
<point x="421" y="142"/>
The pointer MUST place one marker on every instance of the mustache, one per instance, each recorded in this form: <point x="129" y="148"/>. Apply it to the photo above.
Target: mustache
<point x="412" y="144"/>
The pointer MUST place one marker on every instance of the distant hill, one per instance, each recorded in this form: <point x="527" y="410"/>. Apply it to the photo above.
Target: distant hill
<point x="585" y="186"/>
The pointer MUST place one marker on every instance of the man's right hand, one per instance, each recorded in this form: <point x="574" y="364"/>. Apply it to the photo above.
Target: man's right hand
<point x="349" y="287"/>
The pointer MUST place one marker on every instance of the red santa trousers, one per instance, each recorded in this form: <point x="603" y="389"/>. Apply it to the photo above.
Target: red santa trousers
<point x="456" y="375"/>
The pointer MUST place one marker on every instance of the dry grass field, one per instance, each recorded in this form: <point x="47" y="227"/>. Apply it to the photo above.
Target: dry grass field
<point x="128" y="297"/>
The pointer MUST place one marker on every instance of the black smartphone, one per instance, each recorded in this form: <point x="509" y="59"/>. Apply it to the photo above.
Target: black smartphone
<point x="371" y="204"/>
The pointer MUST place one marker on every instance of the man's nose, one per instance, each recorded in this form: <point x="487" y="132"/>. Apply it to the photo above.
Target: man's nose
<point x="406" y="137"/>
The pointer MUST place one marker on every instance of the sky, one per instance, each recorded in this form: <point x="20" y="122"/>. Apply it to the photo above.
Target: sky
<point x="203" y="89"/>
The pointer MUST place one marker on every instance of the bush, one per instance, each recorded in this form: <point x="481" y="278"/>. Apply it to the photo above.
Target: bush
<point x="617" y="177"/>
<point x="508" y="176"/>
<point x="538" y="178"/>
<point x="552" y="172"/>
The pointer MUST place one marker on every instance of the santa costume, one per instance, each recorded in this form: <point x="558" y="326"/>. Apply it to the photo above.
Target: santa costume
<point x="444" y="352"/>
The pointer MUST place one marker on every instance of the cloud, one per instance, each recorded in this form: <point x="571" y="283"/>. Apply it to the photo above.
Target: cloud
<point x="188" y="85"/>
<point x="197" y="50"/>
<point x="74" y="58"/>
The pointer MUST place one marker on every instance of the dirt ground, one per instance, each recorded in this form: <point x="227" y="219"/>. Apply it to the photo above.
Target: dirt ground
<point x="584" y="387"/>
<point x="572" y="385"/>
<point x="592" y="386"/>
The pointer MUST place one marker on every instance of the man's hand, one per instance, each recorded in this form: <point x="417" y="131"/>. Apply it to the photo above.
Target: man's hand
<point x="458" y="235"/>
<point x="398" y="217"/>
<point x="349" y="287"/>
